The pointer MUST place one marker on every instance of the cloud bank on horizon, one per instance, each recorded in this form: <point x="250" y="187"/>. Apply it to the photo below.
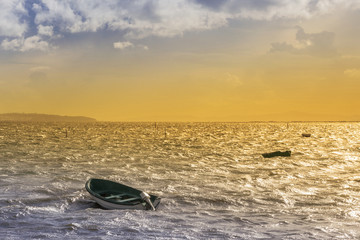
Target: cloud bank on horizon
<point x="35" y="25"/>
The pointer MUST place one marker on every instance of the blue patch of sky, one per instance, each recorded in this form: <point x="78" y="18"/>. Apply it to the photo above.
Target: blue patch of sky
<point x="258" y="4"/>
<point x="29" y="18"/>
<point x="101" y="39"/>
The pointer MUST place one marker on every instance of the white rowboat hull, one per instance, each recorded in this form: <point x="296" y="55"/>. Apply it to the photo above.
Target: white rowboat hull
<point x="112" y="206"/>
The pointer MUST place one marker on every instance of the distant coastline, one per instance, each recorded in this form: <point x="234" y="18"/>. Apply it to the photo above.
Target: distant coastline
<point x="35" y="117"/>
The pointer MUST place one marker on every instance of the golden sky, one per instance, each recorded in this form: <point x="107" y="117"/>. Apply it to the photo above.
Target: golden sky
<point x="181" y="60"/>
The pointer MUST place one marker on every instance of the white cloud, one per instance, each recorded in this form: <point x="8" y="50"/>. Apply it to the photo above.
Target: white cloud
<point x="13" y="45"/>
<point x="45" y="30"/>
<point x="10" y="22"/>
<point x="36" y="7"/>
<point x="123" y="45"/>
<point x="169" y="18"/>
<point x="127" y="44"/>
<point x="25" y="44"/>
<point x="34" y="43"/>
<point x="352" y="73"/>
<point x="141" y="18"/>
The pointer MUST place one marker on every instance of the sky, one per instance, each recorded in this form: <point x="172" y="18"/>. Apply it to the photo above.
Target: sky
<point x="182" y="60"/>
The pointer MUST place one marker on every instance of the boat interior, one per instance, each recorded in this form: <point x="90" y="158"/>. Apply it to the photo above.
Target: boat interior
<point x="120" y="197"/>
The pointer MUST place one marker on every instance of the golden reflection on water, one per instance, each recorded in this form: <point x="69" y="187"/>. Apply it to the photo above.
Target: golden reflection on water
<point x="196" y="167"/>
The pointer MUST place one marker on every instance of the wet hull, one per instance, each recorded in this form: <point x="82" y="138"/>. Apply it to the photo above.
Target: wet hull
<point x="112" y="206"/>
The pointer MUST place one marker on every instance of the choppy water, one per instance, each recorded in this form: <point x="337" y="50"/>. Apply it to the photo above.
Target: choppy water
<point x="213" y="181"/>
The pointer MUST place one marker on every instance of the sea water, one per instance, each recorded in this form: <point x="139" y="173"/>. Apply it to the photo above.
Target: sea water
<point x="213" y="181"/>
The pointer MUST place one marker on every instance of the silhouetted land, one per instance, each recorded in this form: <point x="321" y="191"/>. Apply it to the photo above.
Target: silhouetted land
<point x="34" y="117"/>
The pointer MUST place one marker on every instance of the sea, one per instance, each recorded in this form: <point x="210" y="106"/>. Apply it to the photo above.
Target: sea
<point x="213" y="181"/>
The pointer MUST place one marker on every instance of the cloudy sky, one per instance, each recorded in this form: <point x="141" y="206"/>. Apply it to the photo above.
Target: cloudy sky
<point x="181" y="60"/>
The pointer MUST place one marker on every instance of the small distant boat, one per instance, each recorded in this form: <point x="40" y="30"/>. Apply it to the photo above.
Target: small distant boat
<point x="113" y="195"/>
<point x="306" y="135"/>
<point x="277" y="154"/>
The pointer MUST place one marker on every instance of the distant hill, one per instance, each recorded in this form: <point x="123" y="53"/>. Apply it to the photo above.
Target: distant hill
<point x="34" y="117"/>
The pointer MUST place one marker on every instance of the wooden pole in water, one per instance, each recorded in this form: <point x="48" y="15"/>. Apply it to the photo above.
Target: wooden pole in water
<point x="156" y="130"/>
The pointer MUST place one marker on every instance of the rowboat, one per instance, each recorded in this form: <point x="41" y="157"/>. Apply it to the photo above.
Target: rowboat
<point x="113" y="195"/>
<point x="277" y="154"/>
